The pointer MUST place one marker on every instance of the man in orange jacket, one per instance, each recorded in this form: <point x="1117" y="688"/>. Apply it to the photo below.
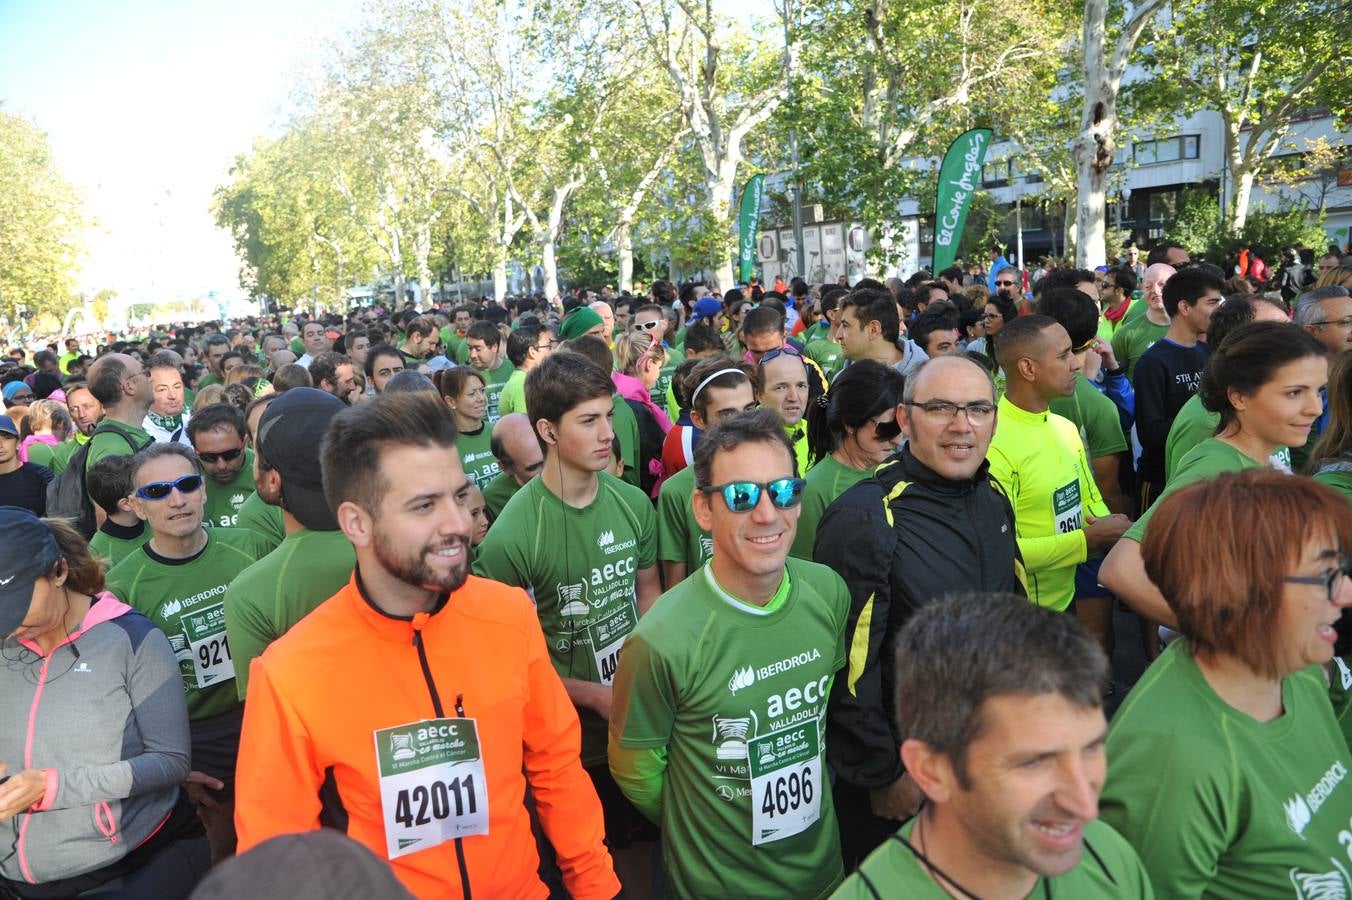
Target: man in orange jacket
<point x="423" y="695"/>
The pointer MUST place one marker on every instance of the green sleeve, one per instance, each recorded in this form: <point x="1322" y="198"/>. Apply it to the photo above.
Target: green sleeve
<point x="1174" y="804"/>
<point x="513" y="397"/>
<point x="647" y="534"/>
<point x="500" y="558"/>
<point x="673" y="408"/>
<point x="1119" y="345"/>
<point x="671" y="531"/>
<point x="247" y="627"/>
<point x="1104" y="428"/>
<point x="643" y="710"/>
<point x="1339" y="481"/>
<point x="626" y="427"/>
<point x="640" y="775"/>
<point x="1053" y="551"/>
<point x="815" y="501"/>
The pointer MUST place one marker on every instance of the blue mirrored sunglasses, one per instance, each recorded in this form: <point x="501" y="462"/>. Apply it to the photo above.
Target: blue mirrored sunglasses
<point x="744" y="496"/>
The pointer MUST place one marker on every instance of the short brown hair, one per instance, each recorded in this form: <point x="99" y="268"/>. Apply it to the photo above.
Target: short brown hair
<point x="1256" y="523"/>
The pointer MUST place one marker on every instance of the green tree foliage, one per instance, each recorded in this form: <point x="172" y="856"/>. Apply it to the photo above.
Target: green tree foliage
<point x="1198" y="227"/>
<point x="1257" y="64"/>
<point x="41" y="220"/>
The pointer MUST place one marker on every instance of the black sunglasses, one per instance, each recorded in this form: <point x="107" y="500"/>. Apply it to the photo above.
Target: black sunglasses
<point x="207" y="456"/>
<point x="158" y="490"/>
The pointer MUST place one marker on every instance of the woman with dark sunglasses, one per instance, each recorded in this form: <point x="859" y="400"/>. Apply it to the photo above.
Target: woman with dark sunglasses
<point x="850" y="431"/>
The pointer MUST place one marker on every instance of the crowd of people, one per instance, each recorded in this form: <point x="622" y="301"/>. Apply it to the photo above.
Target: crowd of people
<point x="804" y="591"/>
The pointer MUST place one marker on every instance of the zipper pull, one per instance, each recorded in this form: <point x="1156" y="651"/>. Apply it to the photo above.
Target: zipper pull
<point x="460" y="705"/>
<point x="419" y="620"/>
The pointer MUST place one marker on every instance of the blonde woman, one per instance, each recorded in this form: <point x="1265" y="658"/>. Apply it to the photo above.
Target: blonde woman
<point x="638" y="364"/>
<point x="49" y="427"/>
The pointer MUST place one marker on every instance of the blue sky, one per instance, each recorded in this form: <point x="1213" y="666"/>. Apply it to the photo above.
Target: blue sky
<point x="146" y="102"/>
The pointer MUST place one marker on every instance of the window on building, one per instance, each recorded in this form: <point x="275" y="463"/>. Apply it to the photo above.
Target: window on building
<point x="1163" y="207"/>
<point x="1163" y="150"/>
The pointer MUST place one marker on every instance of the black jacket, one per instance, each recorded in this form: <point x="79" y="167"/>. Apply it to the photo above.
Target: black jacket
<point x="901" y="538"/>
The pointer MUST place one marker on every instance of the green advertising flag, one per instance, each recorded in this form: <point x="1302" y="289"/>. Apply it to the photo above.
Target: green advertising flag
<point x="748" y="225"/>
<point x="959" y="177"/>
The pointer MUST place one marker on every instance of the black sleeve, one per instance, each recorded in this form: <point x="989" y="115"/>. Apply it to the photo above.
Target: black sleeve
<point x="855" y="540"/>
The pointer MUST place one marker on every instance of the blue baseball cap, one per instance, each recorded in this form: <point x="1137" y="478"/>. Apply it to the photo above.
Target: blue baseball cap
<point x="707" y="308"/>
<point x="27" y="553"/>
<point x="7" y="426"/>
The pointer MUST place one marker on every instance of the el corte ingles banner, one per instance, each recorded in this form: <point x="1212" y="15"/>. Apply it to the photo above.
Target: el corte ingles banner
<point x="959" y="177"/>
<point x="748" y="224"/>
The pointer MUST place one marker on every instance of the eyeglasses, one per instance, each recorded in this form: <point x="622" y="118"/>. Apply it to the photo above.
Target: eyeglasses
<point x="1004" y="284"/>
<point x="766" y="356"/>
<point x="549" y="345"/>
<point x="207" y="456"/>
<point x="158" y="490"/>
<point x="647" y="326"/>
<point x="1341" y="323"/>
<point x="1329" y="579"/>
<point x="744" y="496"/>
<point x="987" y="317"/>
<point x="978" y="412"/>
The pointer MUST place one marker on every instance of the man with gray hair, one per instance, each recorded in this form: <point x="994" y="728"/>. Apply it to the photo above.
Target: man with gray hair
<point x="928" y="521"/>
<point x="1326" y="313"/>
<point x="1010" y="810"/>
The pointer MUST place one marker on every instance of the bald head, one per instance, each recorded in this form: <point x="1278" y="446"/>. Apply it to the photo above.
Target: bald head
<point x="516" y="448"/>
<point x="281" y="358"/>
<point x="939" y="371"/>
<point x="1153" y="283"/>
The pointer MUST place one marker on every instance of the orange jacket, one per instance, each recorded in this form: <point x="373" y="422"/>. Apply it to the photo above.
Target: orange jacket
<point x="318" y="695"/>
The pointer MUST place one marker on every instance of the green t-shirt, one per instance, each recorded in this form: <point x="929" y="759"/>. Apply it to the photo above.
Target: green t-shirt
<point x="1039" y="460"/>
<point x="1221" y="805"/>
<point x="707" y="678"/>
<point x="494" y="381"/>
<point x="108" y="444"/>
<point x="625" y="424"/>
<point x="581" y="567"/>
<point x="476" y="456"/>
<point x="1193" y="424"/>
<point x="225" y="499"/>
<point x="828" y="479"/>
<point x="452" y="341"/>
<point x="658" y="394"/>
<point x="827" y="354"/>
<point x="1340" y="695"/>
<point x="209" y="379"/>
<point x="512" y="399"/>
<point x="502" y="488"/>
<point x="1133" y="339"/>
<point x="679" y="537"/>
<point x="279" y="590"/>
<point x="1112" y="870"/>
<point x="1207" y="460"/>
<point x="53" y="456"/>
<point x="263" y="519"/>
<point x="115" y="542"/>
<point x="1096" y="418"/>
<point x="186" y="599"/>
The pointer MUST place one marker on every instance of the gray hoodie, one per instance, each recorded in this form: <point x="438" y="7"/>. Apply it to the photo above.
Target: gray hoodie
<point x="104" y="717"/>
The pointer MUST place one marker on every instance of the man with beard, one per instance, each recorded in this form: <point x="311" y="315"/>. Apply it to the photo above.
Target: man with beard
<point x="445" y="707"/>
<point x="314" y="560"/>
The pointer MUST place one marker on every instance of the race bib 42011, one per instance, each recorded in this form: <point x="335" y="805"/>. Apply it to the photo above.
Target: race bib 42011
<point x="432" y="784"/>
<point x="786" y="782"/>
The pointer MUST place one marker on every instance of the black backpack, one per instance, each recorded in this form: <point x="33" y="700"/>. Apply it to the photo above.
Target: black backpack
<point x="67" y="497"/>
